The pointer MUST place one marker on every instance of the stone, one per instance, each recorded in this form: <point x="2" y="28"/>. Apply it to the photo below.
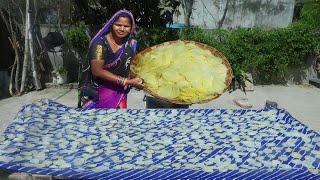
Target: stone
<point x="315" y="82"/>
<point x="249" y="85"/>
<point x="20" y="176"/>
<point x="41" y="177"/>
<point x="243" y="102"/>
<point x="271" y="103"/>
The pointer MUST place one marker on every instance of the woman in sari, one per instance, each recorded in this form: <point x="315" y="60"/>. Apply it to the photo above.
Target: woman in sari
<point x="111" y="50"/>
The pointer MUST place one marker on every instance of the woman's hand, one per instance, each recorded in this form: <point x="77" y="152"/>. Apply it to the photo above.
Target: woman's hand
<point x="135" y="82"/>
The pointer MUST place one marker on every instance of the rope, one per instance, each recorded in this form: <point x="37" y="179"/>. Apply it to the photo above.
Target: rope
<point x="55" y="99"/>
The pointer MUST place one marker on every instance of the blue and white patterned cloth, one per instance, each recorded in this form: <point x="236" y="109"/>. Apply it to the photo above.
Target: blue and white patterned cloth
<point x="51" y="139"/>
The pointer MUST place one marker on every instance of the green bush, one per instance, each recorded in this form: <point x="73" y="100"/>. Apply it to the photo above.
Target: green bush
<point x="151" y="36"/>
<point x="310" y="13"/>
<point x="77" y="39"/>
<point x="78" y="42"/>
<point x="60" y="70"/>
<point x="267" y="54"/>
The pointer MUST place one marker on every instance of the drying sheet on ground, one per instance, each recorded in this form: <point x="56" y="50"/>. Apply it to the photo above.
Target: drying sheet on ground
<point x="49" y="138"/>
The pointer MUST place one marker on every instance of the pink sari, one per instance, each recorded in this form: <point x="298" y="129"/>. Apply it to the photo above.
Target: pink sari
<point x="111" y="96"/>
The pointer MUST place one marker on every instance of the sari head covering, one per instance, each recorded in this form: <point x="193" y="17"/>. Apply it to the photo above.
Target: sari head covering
<point x="106" y="28"/>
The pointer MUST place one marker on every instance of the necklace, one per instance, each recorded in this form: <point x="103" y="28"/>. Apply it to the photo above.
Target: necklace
<point x="113" y="41"/>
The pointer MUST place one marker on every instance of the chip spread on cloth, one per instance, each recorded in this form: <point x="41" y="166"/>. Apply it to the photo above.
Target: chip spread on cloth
<point x="48" y="138"/>
<point x="183" y="72"/>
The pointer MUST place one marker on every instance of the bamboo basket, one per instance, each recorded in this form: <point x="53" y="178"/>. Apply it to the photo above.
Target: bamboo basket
<point x="215" y="52"/>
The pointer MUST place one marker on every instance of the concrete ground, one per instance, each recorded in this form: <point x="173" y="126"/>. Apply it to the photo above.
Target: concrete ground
<point x="301" y="101"/>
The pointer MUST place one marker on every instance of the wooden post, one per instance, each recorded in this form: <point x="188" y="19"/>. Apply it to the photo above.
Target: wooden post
<point x="26" y="48"/>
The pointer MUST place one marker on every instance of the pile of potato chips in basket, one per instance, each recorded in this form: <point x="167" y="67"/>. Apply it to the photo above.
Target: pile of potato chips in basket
<point x="182" y="72"/>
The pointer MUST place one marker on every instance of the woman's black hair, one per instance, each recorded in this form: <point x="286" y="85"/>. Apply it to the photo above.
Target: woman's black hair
<point x="125" y="16"/>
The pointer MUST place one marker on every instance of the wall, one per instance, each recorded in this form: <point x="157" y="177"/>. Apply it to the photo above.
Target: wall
<point x="61" y="56"/>
<point x="239" y="13"/>
<point x="302" y="75"/>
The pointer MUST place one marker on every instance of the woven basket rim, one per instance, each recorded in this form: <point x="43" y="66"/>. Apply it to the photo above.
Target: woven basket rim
<point x="213" y="50"/>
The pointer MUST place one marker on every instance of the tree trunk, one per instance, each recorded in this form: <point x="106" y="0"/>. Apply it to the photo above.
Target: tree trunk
<point x="16" y="80"/>
<point x="33" y="59"/>
<point x="17" y="40"/>
<point x="14" y="41"/>
<point x="12" y="71"/>
<point x="187" y="9"/>
<point x="26" y="49"/>
<point x="15" y="68"/>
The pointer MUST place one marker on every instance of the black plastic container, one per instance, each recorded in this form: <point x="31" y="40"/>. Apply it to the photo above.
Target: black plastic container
<point x="153" y="103"/>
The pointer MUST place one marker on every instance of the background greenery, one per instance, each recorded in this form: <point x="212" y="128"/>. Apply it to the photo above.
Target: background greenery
<point x="267" y="54"/>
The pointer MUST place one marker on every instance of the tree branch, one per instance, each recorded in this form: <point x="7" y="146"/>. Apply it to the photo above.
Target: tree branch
<point x="220" y="23"/>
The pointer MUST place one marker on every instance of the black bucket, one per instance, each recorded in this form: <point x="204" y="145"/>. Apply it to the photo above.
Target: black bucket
<point x="153" y="103"/>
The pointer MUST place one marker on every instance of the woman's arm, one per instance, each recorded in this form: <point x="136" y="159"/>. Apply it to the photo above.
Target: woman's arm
<point x="98" y="71"/>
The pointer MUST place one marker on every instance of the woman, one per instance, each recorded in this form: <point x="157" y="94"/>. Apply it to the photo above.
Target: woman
<point x="110" y="52"/>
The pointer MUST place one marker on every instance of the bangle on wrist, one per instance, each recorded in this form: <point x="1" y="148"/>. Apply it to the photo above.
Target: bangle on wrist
<point x="118" y="79"/>
<point x="125" y="81"/>
<point x="121" y="80"/>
